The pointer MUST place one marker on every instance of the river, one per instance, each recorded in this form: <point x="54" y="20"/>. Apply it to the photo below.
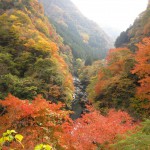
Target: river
<point x="79" y="99"/>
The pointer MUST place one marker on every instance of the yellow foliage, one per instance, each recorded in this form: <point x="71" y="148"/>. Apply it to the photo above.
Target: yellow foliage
<point x="30" y="43"/>
<point x="13" y="17"/>
<point x="42" y="26"/>
<point x="85" y="37"/>
<point x="23" y="18"/>
<point x="39" y="37"/>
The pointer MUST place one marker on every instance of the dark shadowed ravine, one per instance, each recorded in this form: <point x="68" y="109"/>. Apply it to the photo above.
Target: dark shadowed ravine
<point x="80" y="99"/>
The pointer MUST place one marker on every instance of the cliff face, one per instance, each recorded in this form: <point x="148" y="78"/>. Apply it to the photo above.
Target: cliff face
<point x="86" y="38"/>
<point x="135" y="33"/>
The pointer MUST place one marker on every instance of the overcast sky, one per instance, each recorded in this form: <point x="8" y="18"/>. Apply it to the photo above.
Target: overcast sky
<point x="118" y="14"/>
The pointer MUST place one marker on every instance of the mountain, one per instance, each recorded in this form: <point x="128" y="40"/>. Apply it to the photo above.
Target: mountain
<point x="31" y="61"/>
<point x="135" y="33"/>
<point x="87" y="40"/>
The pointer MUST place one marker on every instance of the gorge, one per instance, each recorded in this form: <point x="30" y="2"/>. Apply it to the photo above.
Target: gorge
<point x="54" y="65"/>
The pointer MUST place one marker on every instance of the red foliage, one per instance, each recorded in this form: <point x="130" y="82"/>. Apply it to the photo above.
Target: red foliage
<point x="93" y="129"/>
<point x="38" y="121"/>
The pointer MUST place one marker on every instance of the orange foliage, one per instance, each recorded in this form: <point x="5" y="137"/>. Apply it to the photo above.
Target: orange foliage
<point x="117" y="58"/>
<point x="38" y="121"/>
<point x="94" y="129"/>
<point x="142" y="68"/>
<point x="42" y="122"/>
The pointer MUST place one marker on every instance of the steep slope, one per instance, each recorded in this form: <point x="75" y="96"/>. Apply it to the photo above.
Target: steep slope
<point x="30" y="61"/>
<point x="122" y="81"/>
<point x="85" y="37"/>
<point x="135" y="33"/>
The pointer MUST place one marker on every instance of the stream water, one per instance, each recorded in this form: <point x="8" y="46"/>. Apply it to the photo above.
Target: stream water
<point x="80" y="99"/>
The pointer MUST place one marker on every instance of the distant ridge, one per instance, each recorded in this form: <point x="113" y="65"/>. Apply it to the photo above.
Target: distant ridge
<point x="85" y="37"/>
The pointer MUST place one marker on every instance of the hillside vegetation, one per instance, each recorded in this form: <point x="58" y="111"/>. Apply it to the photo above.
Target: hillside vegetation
<point x="122" y="80"/>
<point x="30" y="61"/>
<point x="85" y="37"/>
<point x="36" y="85"/>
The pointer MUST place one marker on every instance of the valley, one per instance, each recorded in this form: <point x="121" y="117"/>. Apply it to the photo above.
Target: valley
<point x="63" y="84"/>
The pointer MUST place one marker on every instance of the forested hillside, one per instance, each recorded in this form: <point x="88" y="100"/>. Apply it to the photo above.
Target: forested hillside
<point x="85" y="37"/>
<point x="37" y="92"/>
<point x="30" y="62"/>
<point x="124" y="76"/>
<point x="122" y="80"/>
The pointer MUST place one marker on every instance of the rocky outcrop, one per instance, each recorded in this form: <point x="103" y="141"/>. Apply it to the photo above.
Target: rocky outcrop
<point x="80" y="99"/>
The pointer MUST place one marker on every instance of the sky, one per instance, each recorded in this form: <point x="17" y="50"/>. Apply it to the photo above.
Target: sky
<point x="117" y="14"/>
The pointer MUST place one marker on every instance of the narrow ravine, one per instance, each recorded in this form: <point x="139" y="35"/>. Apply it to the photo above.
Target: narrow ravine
<point x="80" y="99"/>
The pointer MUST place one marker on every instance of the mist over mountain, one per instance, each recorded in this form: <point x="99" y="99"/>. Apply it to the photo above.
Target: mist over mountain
<point x="85" y="37"/>
<point x="112" y="32"/>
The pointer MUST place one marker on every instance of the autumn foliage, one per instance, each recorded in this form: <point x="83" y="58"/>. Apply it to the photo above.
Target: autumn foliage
<point x="34" y="60"/>
<point x="95" y="130"/>
<point x="31" y="61"/>
<point x="123" y="81"/>
<point x="40" y="121"/>
<point x="142" y="68"/>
